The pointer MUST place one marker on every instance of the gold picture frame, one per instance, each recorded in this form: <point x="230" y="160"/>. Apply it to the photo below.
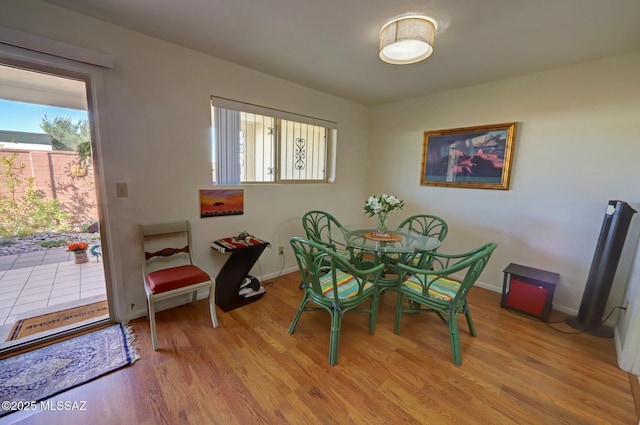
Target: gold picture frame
<point x="472" y="157"/>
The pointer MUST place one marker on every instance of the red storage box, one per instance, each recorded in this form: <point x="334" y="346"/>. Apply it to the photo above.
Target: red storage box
<point x="528" y="290"/>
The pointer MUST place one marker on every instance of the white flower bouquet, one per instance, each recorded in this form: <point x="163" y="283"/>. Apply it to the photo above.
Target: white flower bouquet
<point x="384" y="204"/>
<point x="381" y="206"/>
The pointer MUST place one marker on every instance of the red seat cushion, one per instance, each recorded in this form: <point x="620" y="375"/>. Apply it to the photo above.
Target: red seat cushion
<point x="175" y="277"/>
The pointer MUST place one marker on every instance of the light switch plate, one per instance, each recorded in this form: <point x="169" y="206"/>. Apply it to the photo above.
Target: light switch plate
<point x="121" y="190"/>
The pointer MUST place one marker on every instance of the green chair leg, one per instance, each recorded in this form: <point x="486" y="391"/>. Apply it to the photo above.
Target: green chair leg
<point x="373" y="315"/>
<point x="443" y="317"/>
<point x="396" y="327"/>
<point x="303" y="303"/>
<point x="334" y="339"/>
<point x="455" y="339"/>
<point x="467" y="314"/>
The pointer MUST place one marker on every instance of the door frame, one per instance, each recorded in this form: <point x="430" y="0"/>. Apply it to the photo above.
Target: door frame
<point x="94" y="79"/>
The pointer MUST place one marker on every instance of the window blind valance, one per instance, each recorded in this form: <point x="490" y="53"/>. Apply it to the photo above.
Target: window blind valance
<point x="235" y="105"/>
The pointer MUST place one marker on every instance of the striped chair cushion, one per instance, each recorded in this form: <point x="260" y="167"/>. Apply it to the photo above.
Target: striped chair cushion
<point x="441" y="289"/>
<point x="414" y="262"/>
<point x="347" y="285"/>
<point x="344" y="254"/>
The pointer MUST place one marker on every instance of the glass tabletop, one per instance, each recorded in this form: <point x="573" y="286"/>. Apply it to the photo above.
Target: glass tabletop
<point x="401" y="241"/>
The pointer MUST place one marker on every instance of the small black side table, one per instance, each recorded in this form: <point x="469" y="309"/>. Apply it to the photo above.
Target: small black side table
<point x="244" y="254"/>
<point x="528" y="290"/>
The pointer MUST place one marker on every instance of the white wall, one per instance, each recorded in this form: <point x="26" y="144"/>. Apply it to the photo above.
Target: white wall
<point x="156" y="138"/>
<point x="628" y="331"/>
<point x="577" y="147"/>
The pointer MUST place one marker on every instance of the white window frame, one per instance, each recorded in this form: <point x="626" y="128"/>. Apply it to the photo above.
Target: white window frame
<point x="331" y="138"/>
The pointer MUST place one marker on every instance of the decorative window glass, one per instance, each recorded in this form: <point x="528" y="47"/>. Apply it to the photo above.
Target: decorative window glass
<point x="253" y="144"/>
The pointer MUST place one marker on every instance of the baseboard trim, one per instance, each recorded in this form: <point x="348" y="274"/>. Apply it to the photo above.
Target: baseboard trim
<point x="555" y="307"/>
<point x="635" y="391"/>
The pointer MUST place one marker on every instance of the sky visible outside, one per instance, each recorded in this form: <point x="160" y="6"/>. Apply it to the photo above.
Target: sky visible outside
<point x="20" y="116"/>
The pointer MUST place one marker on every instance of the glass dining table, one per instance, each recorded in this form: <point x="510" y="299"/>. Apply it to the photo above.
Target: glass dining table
<point x="399" y="241"/>
<point x="400" y="246"/>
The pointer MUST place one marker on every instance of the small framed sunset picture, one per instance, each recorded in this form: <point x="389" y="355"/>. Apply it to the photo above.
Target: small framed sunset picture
<point x="219" y="202"/>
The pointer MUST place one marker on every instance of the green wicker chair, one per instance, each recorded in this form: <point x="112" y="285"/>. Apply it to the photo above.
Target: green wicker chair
<point x="318" y="224"/>
<point x="335" y="285"/>
<point x="433" y="289"/>
<point x="425" y="224"/>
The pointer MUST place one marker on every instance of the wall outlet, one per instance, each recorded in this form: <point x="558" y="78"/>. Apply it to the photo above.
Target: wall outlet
<point x="280" y="250"/>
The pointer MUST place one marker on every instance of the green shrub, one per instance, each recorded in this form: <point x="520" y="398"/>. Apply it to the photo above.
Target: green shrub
<point x="7" y="242"/>
<point x="31" y="212"/>
<point x="53" y="243"/>
<point x="84" y="227"/>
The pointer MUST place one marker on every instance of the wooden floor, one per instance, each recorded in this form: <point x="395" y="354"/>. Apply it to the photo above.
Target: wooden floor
<point x="251" y="371"/>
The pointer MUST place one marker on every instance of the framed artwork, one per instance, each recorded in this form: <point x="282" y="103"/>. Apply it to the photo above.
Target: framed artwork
<point x="473" y="157"/>
<point x="218" y="202"/>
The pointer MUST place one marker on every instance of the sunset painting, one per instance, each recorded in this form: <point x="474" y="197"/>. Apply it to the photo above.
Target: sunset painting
<point x="214" y="202"/>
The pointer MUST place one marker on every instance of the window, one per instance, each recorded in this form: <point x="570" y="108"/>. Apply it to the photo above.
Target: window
<point x="254" y="144"/>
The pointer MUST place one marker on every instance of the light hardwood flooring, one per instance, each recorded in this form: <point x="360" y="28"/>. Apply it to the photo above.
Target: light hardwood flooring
<point x="251" y="371"/>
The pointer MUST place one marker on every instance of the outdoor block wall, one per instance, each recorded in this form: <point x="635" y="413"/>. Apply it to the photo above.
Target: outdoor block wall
<point x="57" y="174"/>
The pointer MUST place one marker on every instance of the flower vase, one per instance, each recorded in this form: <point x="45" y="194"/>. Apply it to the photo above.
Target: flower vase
<point x="80" y="257"/>
<point x="381" y="228"/>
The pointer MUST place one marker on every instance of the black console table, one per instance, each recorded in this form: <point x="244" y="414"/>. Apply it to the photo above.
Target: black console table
<point x="244" y="254"/>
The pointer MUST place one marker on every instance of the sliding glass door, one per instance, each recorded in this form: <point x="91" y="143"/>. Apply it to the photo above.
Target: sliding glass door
<point x="52" y="271"/>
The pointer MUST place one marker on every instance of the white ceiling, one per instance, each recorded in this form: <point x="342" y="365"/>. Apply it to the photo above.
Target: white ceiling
<point x="332" y="45"/>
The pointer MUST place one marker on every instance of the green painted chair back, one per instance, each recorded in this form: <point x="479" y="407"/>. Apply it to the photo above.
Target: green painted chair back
<point x="317" y="224"/>
<point x="334" y="285"/>
<point x="435" y="289"/>
<point x="425" y="224"/>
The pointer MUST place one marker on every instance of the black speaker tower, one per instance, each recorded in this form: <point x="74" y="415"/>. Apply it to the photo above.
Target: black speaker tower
<point x="603" y="269"/>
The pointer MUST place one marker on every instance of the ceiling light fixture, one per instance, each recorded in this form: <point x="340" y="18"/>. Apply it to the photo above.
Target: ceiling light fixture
<point x="407" y="39"/>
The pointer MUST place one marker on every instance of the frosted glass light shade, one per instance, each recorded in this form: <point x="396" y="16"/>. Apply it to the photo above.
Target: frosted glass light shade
<point x="407" y="39"/>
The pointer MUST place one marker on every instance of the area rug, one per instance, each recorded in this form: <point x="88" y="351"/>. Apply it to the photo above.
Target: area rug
<point x="44" y="372"/>
<point x="57" y="319"/>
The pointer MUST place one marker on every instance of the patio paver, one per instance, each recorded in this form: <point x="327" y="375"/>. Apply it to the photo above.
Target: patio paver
<point x="32" y="281"/>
